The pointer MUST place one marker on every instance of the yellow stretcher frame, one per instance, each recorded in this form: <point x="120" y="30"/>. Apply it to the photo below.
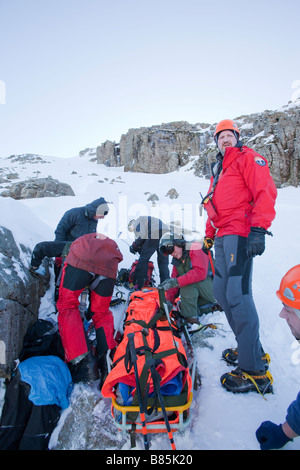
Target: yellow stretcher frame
<point x="178" y="424"/>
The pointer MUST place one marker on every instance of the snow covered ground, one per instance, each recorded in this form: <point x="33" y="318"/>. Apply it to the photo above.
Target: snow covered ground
<point x="220" y="420"/>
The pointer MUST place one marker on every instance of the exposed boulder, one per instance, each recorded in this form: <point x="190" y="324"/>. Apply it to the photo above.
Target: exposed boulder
<point x="172" y="193"/>
<point x="38" y="187"/>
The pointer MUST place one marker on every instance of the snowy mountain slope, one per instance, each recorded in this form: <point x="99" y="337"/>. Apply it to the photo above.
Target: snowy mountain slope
<point x="220" y="420"/>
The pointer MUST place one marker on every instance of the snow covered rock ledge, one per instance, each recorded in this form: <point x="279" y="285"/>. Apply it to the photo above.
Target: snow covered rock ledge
<point x="20" y="294"/>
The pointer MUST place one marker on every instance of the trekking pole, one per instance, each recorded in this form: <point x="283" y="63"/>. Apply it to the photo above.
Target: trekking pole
<point x="133" y="356"/>
<point x="156" y="384"/>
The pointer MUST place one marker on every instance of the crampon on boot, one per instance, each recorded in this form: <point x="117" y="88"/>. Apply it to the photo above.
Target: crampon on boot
<point x="240" y="381"/>
<point x="230" y="355"/>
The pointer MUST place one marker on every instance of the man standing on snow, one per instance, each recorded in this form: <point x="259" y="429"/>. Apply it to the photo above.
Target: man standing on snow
<point x="148" y="231"/>
<point x="270" y="435"/>
<point x="240" y="208"/>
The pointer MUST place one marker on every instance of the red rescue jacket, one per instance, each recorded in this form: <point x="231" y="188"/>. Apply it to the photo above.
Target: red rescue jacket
<point x="197" y="271"/>
<point x="244" y="195"/>
<point x="96" y="254"/>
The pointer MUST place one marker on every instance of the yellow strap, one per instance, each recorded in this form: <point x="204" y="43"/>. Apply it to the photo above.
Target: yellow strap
<point x="267" y="358"/>
<point x="253" y="377"/>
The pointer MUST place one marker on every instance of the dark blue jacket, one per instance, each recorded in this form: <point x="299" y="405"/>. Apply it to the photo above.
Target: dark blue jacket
<point x="78" y="221"/>
<point x="293" y="415"/>
<point x="49" y="249"/>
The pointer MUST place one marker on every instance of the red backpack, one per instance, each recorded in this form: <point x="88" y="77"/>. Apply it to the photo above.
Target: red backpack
<point x="148" y="280"/>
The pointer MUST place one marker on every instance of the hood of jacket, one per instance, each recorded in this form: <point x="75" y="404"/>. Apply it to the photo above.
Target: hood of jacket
<point x="91" y="208"/>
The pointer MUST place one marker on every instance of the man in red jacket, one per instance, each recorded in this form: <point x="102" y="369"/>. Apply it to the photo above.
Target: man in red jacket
<point x="240" y="208"/>
<point x="92" y="260"/>
<point x="191" y="274"/>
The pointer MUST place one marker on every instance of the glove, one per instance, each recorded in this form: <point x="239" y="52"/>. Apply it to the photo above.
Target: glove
<point x="169" y="284"/>
<point x="37" y="270"/>
<point x="132" y="250"/>
<point x="207" y="244"/>
<point x="271" y="436"/>
<point x="256" y="241"/>
<point x="135" y="248"/>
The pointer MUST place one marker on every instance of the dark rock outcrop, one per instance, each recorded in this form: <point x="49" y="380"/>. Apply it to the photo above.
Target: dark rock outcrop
<point x="20" y="294"/>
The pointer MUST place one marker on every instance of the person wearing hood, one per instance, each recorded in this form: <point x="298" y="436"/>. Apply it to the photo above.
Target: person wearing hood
<point x="81" y="220"/>
<point x="75" y="223"/>
<point x="240" y="209"/>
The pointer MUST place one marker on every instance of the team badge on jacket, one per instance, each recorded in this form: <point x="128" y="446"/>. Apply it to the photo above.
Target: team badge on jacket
<point x="260" y="161"/>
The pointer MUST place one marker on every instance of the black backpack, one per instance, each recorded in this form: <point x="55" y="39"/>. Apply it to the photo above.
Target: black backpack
<point x="42" y="339"/>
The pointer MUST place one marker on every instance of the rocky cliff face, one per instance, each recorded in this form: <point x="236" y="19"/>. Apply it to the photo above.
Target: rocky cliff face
<point x="164" y="148"/>
<point x="20" y="293"/>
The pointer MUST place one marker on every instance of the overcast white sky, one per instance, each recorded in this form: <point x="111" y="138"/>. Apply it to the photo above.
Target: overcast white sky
<point x="74" y="73"/>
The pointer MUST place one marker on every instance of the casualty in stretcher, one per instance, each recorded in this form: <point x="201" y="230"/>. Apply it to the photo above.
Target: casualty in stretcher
<point x="151" y="380"/>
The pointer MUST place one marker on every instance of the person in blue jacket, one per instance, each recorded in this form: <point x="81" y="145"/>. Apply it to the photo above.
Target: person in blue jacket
<point x="270" y="435"/>
<point x="39" y="390"/>
<point x="74" y="223"/>
<point x="81" y="220"/>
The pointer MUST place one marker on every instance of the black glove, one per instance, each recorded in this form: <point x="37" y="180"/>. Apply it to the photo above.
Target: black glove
<point x="169" y="284"/>
<point x="207" y="244"/>
<point x="132" y="249"/>
<point x="256" y="241"/>
<point x="271" y="436"/>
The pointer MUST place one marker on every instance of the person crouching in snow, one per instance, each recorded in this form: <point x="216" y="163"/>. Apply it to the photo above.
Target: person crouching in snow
<point x="191" y="274"/>
<point x="90" y="256"/>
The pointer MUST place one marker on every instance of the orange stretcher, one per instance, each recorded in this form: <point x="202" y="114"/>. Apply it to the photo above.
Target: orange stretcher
<point x="170" y="413"/>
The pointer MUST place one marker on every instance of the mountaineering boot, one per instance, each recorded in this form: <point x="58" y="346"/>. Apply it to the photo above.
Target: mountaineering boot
<point x="84" y="368"/>
<point x="241" y="381"/>
<point x="101" y="350"/>
<point x="230" y="355"/>
<point x="103" y="369"/>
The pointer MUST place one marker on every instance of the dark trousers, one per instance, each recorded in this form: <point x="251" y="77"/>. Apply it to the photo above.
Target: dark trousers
<point x="232" y="288"/>
<point x="148" y="248"/>
<point x="23" y="425"/>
